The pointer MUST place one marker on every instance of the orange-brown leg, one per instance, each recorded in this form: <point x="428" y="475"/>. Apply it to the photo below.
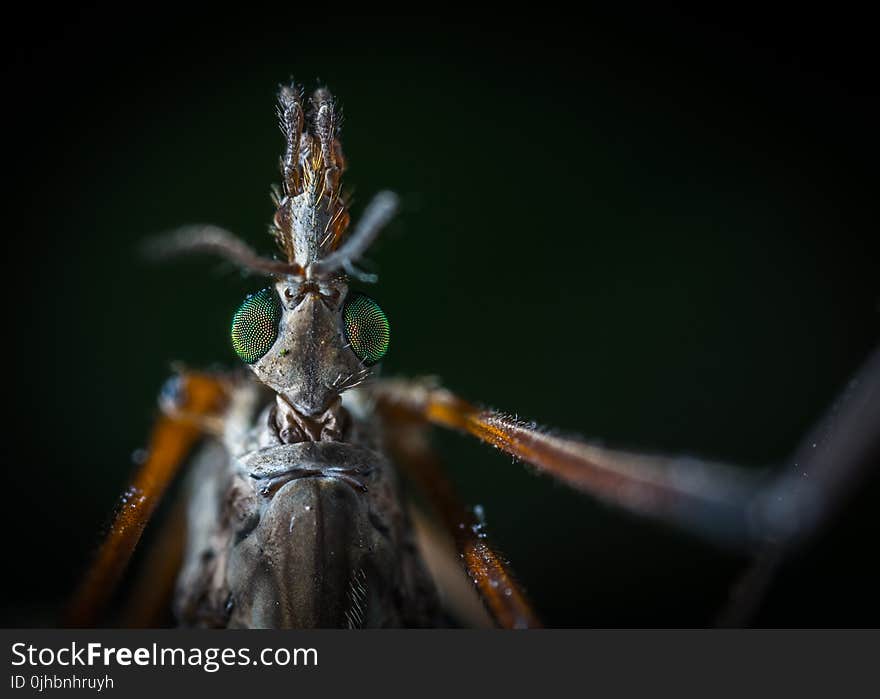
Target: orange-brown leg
<point x="707" y="498"/>
<point x="503" y="596"/>
<point x="774" y="517"/>
<point x="148" y="603"/>
<point x="198" y="399"/>
<point x="456" y="589"/>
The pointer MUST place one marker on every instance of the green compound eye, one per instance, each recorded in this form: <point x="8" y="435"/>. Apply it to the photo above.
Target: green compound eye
<point x="366" y="328"/>
<point x="255" y="325"/>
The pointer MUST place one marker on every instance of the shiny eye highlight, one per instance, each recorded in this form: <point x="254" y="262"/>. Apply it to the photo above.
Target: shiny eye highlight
<point x="366" y="328"/>
<point x="255" y="325"/>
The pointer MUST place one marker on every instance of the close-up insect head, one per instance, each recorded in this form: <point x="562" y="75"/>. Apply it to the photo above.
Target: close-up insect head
<point x="240" y="404"/>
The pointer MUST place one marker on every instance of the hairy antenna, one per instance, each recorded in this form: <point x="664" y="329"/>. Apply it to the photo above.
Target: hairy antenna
<point x="220" y="242"/>
<point x="377" y="215"/>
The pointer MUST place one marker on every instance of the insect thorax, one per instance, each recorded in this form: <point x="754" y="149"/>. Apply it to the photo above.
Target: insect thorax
<point x="311" y="534"/>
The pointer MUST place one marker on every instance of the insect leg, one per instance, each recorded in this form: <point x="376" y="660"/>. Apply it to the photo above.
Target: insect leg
<point x="505" y="600"/>
<point x="195" y="399"/>
<point x="708" y="498"/>
<point x="830" y="462"/>
<point x="457" y="592"/>
<point x="148" y="602"/>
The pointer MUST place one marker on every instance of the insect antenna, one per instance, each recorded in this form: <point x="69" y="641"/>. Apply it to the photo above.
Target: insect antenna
<point x="311" y="165"/>
<point x="220" y="242"/>
<point x="377" y="214"/>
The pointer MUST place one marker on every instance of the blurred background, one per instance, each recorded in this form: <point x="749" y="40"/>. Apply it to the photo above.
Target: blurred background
<point x="657" y="231"/>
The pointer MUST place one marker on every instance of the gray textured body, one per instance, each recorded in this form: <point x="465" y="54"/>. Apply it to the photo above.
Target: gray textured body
<point x="295" y="516"/>
<point x="312" y="534"/>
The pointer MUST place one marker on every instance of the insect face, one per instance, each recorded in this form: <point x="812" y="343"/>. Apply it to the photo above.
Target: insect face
<point x="309" y="341"/>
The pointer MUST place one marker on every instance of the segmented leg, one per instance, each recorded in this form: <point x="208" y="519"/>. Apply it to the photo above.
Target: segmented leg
<point x="457" y="593"/>
<point x="773" y="518"/>
<point x="195" y="401"/>
<point x="148" y="604"/>
<point x="707" y="498"/>
<point x="835" y="456"/>
<point x="504" y="598"/>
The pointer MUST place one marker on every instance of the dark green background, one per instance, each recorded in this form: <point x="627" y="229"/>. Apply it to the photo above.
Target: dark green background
<point x="657" y="231"/>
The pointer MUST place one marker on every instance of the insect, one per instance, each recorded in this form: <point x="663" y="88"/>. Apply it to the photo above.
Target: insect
<point x="296" y="514"/>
